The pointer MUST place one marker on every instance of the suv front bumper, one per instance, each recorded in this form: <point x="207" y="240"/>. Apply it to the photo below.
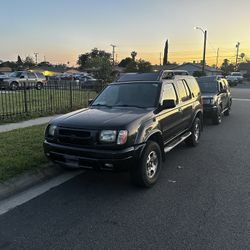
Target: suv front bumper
<point x="210" y="111"/>
<point x="72" y="157"/>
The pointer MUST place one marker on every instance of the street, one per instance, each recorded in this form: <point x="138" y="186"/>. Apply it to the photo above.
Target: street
<point x="201" y="201"/>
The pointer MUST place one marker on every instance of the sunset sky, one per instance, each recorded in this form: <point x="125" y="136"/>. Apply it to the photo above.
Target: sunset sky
<point x="60" y="30"/>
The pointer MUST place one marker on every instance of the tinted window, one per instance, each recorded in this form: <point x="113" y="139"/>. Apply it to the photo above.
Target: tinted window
<point x="31" y="75"/>
<point x="208" y="86"/>
<point x="40" y="75"/>
<point x="194" y="87"/>
<point x="143" y="95"/>
<point x="169" y="92"/>
<point x="183" y="93"/>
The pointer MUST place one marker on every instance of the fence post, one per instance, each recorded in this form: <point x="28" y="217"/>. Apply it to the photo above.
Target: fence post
<point x="70" y="95"/>
<point x="25" y="98"/>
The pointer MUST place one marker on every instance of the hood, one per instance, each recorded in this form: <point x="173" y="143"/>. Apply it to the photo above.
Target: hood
<point x="101" y="118"/>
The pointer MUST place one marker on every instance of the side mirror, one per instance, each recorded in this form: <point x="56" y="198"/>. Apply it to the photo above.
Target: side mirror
<point x="168" y="104"/>
<point x="90" y="101"/>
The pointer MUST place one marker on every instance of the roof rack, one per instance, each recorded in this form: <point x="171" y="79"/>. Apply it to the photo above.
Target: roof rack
<point x="152" y="76"/>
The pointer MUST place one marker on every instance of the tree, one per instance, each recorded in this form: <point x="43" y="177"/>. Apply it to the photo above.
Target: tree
<point x="227" y="67"/>
<point x="83" y="59"/>
<point x="144" y="66"/>
<point x="29" y="62"/>
<point x="19" y="60"/>
<point x="165" y="58"/>
<point x="125" y="62"/>
<point x="133" y="55"/>
<point x="131" y="67"/>
<point x="242" y="56"/>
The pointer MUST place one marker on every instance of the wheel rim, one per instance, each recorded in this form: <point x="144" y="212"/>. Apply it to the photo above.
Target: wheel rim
<point x="219" y="117"/>
<point x="152" y="164"/>
<point x="196" y="132"/>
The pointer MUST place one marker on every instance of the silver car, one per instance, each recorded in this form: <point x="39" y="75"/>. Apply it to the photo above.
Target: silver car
<point x="23" y="79"/>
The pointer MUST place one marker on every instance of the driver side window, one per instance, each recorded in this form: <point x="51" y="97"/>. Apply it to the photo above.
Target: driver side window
<point x="168" y="93"/>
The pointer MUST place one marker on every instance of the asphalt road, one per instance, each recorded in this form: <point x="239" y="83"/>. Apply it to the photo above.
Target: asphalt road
<point x="202" y="201"/>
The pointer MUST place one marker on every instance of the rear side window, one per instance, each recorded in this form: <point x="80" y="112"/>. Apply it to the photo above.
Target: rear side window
<point x="31" y="75"/>
<point x="168" y="93"/>
<point x="194" y="87"/>
<point x="183" y="91"/>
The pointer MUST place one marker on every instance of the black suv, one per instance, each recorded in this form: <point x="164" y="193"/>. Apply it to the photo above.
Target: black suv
<point x="216" y="97"/>
<point x="130" y="125"/>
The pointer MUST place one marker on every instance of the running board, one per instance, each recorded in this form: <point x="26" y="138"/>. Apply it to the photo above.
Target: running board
<point x="176" y="142"/>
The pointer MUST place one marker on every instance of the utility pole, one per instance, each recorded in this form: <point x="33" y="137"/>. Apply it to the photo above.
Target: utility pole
<point x="113" y="46"/>
<point x="237" y="54"/>
<point x="36" y="55"/>
<point x="160" y="59"/>
<point x="204" y="48"/>
<point x="217" y="57"/>
<point x="204" y="52"/>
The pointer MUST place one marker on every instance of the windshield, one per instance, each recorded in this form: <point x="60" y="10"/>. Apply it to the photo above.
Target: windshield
<point x="141" y="95"/>
<point x="16" y="74"/>
<point x="208" y="86"/>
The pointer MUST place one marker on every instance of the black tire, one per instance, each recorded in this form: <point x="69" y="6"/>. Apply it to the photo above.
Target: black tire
<point x="14" y="86"/>
<point x="227" y="112"/>
<point x="217" y="117"/>
<point x="194" y="138"/>
<point x="39" y="86"/>
<point x="147" y="171"/>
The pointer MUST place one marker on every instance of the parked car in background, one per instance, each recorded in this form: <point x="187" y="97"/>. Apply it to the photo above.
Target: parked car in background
<point x="130" y="125"/>
<point x="21" y="79"/>
<point x="88" y="82"/>
<point x="216" y="97"/>
<point x="234" y="78"/>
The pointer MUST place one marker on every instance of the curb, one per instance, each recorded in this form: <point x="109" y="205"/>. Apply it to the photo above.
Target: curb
<point x="26" y="180"/>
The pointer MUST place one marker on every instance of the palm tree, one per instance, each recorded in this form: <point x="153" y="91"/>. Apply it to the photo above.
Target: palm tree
<point x="133" y="55"/>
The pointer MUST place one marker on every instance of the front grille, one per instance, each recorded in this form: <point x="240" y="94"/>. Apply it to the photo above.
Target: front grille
<point x="75" y="137"/>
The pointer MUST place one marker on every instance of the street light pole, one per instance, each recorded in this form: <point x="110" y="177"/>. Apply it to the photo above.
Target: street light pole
<point x="204" y="48"/>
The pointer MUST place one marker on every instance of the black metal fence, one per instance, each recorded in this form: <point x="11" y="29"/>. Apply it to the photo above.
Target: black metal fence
<point x="53" y="98"/>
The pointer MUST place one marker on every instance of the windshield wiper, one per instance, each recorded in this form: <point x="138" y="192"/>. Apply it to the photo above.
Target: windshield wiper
<point x="101" y="105"/>
<point x="126" y="105"/>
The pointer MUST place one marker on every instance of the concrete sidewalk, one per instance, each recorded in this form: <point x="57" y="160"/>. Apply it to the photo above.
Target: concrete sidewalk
<point x="25" y="124"/>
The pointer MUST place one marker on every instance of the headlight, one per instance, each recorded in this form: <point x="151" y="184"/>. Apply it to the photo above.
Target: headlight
<point x="52" y="129"/>
<point x="212" y="101"/>
<point x="108" y="136"/>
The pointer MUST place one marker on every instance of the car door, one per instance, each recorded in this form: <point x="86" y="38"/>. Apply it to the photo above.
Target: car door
<point x="31" y="79"/>
<point x="223" y="94"/>
<point x="185" y="104"/>
<point x="169" y="119"/>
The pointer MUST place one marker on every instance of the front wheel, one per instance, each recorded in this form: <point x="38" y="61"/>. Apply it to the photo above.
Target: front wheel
<point x="146" y="173"/>
<point x="194" y="138"/>
<point x="217" y="118"/>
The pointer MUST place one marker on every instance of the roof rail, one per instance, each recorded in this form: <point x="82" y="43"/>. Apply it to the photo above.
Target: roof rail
<point x="152" y="76"/>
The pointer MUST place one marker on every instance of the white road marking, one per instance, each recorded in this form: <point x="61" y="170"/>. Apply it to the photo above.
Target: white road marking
<point x="25" y="196"/>
<point x="239" y="99"/>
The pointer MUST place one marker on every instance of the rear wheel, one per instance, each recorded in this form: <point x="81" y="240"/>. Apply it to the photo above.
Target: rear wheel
<point x="217" y="117"/>
<point x="194" y="138"/>
<point x="39" y="86"/>
<point x="14" y="86"/>
<point x="146" y="173"/>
